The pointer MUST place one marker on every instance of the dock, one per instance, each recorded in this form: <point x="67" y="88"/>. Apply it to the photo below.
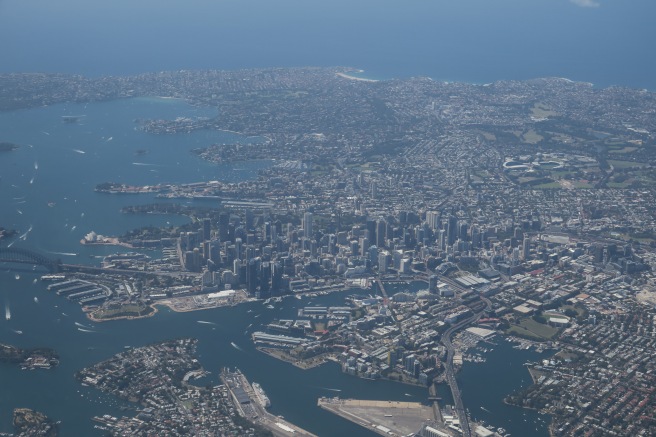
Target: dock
<point x="388" y="418"/>
<point x="246" y="403"/>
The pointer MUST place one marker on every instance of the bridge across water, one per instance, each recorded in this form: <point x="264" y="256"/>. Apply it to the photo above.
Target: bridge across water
<point x="25" y="256"/>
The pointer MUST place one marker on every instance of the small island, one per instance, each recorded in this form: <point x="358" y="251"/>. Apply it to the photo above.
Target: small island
<point x="29" y="422"/>
<point x="29" y="359"/>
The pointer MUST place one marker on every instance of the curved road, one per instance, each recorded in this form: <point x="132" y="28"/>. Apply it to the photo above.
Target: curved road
<point x="450" y="374"/>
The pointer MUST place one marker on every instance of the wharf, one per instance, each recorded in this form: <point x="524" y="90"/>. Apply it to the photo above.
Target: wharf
<point x="388" y="418"/>
<point x="245" y="401"/>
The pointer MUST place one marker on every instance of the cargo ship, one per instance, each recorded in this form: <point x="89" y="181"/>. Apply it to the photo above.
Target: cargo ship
<point x="261" y="396"/>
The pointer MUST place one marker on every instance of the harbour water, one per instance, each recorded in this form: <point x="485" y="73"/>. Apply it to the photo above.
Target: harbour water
<point x="52" y="186"/>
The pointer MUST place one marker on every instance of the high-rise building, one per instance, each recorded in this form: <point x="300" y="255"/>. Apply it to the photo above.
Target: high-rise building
<point x="238" y="248"/>
<point x="383" y="262"/>
<point x="224" y="221"/>
<point x="250" y="219"/>
<point x="371" y="230"/>
<point x="207" y="229"/>
<point x="381" y="230"/>
<point x="441" y="241"/>
<point x="307" y="225"/>
<point x="433" y="220"/>
<point x="452" y="230"/>
<point x="526" y="247"/>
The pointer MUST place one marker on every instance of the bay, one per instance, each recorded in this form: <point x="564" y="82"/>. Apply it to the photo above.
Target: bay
<point x="48" y="169"/>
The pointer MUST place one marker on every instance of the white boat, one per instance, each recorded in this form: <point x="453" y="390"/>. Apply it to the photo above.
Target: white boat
<point x="7" y="312"/>
<point x="36" y="299"/>
<point x="261" y="396"/>
<point x="52" y="277"/>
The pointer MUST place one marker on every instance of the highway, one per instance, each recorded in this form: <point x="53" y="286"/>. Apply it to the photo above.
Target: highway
<point x="448" y="365"/>
<point x="99" y="270"/>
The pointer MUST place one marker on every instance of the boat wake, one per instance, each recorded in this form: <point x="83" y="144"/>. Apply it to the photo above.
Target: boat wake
<point x="79" y="151"/>
<point x="24" y="236"/>
<point x="330" y="389"/>
<point x="61" y="253"/>
<point x="85" y="330"/>
<point x="233" y="344"/>
<point x="205" y="323"/>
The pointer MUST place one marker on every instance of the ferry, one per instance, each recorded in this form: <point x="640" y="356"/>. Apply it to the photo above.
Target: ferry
<point x="261" y="396"/>
<point x="52" y="277"/>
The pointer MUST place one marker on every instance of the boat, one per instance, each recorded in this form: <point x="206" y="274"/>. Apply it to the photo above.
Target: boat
<point x="52" y="277"/>
<point x="7" y="312"/>
<point x="261" y="396"/>
<point x="36" y="299"/>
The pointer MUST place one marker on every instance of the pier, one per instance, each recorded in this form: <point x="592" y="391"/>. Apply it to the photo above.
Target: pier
<point x="245" y="400"/>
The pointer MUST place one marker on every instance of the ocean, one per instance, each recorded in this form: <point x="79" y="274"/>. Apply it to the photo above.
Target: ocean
<point x="606" y="42"/>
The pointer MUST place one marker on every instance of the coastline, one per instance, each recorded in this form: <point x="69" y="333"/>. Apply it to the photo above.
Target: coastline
<point x="91" y="317"/>
<point x="299" y="363"/>
<point x="350" y="77"/>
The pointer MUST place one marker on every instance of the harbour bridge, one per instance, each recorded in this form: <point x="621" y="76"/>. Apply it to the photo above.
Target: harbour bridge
<point x="25" y="256"/>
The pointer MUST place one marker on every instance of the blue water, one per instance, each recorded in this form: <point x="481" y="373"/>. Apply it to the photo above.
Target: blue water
<point x="467" y="40"/>
<point x="66" y="177"/>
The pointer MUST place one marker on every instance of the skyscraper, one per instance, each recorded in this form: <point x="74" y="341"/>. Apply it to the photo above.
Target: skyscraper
<point x="452" y="230"/>
<point x="381" y="230"/>
<point x="207" y="228"/>
<point x="307" y="225"/>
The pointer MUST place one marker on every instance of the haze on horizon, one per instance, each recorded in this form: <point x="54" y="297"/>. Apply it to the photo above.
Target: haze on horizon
<point x="601" y="41"/>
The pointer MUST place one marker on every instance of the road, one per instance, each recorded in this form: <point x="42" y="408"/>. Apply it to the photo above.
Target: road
<point x="450" y="374"/>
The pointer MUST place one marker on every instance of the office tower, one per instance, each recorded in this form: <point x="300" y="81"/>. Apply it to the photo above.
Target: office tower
<point x="371" y="230"/>
<point x="250" y="219"/>
<point x="452" y="230"/>
<point x="526" y="247"/>
<point x="307" y="225"/>
<point x="238" y="248"/>
<point x="224" y="221"/>
<point x="381" y="230"/>
<point x="442" y="239"/>
<point x="207" y="228"/>
<point x="433" y="219"/>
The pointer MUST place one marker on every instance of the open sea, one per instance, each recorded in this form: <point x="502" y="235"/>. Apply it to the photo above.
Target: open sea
<point x="606" y="42"/>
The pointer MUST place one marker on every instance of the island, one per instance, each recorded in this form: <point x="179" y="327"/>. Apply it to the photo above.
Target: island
<point x="29" y="423"/>
<point x="29" y="359"/>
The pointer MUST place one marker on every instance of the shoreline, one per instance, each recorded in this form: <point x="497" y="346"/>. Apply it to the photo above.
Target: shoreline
<point x="298" y="363"/>
<point x="90" y="316"/>
<point x="350" y="77"/>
